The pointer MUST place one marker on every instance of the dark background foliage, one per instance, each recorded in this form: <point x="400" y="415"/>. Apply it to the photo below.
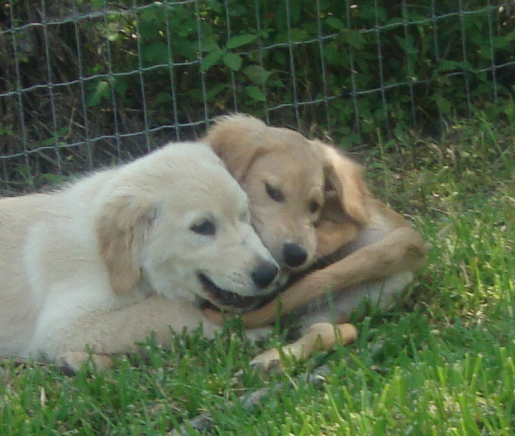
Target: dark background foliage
<point x="85" y="83"/>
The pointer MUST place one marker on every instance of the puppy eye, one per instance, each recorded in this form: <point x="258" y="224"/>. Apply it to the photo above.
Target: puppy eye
<point x="206" y="228"/>
<point x="314" y="207"/>
<point x="274" y="193"/>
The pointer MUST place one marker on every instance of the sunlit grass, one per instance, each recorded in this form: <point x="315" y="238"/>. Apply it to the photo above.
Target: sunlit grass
<point x="440" y="364"/>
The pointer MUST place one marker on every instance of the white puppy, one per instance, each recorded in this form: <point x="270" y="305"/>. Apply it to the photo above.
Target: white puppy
<point x="126" y="252"/>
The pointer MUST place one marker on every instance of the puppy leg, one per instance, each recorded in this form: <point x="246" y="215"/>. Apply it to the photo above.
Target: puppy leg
<point x="108" y="333"/>
<point x="324" y="313"/>
<point x="321" y="336"/>
<point x="337" y="307"/>
<point x="72" y="361"/>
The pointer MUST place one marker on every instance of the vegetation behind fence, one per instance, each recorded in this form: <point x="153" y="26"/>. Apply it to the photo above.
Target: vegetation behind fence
<point x="85" y="83"/>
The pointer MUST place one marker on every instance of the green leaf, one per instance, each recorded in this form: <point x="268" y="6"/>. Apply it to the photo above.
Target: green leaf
<point x="156" y="53"/>
<point x="355" y="39"/>
<point x="407" y="45"/>
<point x="298" y="35"/>
<point x="444" y="105"/>
<point x="209" y="44"/>
<point x="335" y="22"/>
<point x="509" y="37"/>
<point x="213" y="92"/>
<point x="233" y="61"/>
<point x="119" y="85"/>
<point x="255" y="93"/>
<point x="98" y="4"/>
<point x="101" y="91"/>
<point x="256" y="74"/>
<point x="161" y="100"/>
<point x="215" y="6"/>
<point x="448" y="65"/>
<point x="211" y="59"/>
<point x="184" y="48"/>
<point x="240" y="40"/>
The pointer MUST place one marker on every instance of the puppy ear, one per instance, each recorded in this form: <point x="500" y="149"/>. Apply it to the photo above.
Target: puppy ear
<point x="344" y="176"/>
<point x="347" y="202"/>
<point x="120" y="227"/>
<point x="334" y="228"/>
<point x="238" y="140"/>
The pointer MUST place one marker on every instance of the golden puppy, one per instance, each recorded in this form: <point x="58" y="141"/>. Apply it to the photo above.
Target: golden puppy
<point x="126" y="252"/>
<point x="284" y="174"/>
<point x="366" y="252"/>
<point x="286" y="194"/>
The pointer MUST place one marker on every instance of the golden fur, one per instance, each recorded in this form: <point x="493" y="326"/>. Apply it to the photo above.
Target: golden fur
<point x="284" y="175"/>
<point x="365" y="250"/>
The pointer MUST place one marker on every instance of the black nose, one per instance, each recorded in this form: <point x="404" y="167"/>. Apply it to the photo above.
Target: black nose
<point x="265" y="274"/>
<point x="294" y="255"/>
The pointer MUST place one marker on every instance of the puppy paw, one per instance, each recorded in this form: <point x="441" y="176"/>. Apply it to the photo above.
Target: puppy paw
<point x="270" y="359"/>
<point x="73" y="361"/>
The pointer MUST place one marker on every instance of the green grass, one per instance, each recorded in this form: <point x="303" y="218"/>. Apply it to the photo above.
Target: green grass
<point x="440" y="364"/>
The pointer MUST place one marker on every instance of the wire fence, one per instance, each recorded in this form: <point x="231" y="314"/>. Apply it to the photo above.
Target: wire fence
<point x="88" y="83"/>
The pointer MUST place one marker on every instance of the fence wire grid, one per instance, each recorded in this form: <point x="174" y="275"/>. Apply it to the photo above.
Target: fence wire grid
<point x="88" y="83"/>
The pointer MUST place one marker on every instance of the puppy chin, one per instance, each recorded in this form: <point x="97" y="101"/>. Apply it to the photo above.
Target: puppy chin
<point x="207" y="302"/>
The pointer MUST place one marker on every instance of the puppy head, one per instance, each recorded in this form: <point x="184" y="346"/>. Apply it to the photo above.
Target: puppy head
<point x="347" y="202"/>
<point x="283" y="175"/>
<point x="181" y="224"/>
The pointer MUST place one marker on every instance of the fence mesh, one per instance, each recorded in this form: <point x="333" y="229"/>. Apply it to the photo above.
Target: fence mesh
<point x="88" y="83"/>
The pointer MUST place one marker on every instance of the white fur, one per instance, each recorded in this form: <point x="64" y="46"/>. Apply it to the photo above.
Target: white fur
<point x="111" y="258"/>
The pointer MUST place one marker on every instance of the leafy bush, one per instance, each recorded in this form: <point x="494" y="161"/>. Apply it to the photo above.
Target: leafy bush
<point x="115" y="78"/>
<point x="394" y="66"/>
